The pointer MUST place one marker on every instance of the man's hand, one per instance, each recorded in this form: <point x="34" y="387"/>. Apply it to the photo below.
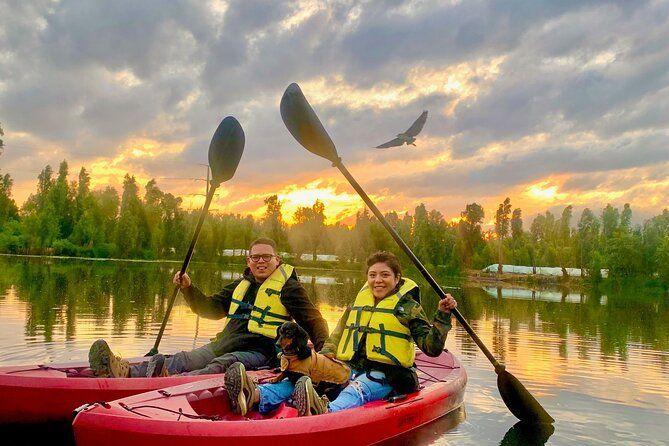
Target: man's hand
<point x="447" y="303"/>
<point x="183" y="281"/>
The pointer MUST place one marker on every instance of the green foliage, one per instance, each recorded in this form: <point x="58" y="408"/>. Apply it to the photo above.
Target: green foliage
<point x="67" y="218"/>
<point x="12" y="240"/>
<point x="8" y="209"/>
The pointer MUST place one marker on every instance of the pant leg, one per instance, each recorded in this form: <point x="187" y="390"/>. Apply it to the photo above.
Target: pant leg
<point x="272" y="395"/>
<point x="361" y="390"/>
<point x="181" y="362"/>
<point x="219" y="364"/>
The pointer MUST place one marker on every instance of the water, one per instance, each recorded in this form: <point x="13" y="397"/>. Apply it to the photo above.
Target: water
<point x="598" y="363"/>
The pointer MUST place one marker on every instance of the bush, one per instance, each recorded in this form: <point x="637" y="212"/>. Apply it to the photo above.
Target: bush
<point x="11" y="239"/>
<point x="104" y="250"/>
<point x="64" y="247"/>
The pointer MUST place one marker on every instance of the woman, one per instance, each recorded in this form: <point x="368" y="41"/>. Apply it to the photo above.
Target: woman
<point x="375" y="338"/>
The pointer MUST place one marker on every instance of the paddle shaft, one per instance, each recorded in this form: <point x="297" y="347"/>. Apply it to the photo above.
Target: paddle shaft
<point x="433" y="283"/>
<point x="184" y="266"/>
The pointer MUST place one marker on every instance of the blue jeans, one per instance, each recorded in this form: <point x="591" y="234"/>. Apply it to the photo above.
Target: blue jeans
<point x="272" y="395"/>
<point x="361" y="390"/>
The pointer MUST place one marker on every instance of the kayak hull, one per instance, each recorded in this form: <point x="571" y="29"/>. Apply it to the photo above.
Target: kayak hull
<point x="163" y="418"/>
<point x="49" y="393"/>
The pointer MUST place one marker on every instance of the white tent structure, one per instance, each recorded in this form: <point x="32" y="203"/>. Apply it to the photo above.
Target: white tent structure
<point x="541" y="270"/>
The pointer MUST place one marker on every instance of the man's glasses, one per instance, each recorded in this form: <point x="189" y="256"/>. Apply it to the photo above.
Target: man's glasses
<point x="255" y="258"/>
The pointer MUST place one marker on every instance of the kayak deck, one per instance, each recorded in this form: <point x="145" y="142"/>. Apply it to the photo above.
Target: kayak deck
<point x="199" y="413"/>
<point x="46" y="393"/>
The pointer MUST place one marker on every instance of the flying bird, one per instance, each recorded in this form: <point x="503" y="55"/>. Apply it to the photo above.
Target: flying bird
<point x="409" y="136"/>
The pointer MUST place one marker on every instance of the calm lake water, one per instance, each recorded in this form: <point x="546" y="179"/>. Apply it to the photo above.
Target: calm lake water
<point x="599" y="363"/>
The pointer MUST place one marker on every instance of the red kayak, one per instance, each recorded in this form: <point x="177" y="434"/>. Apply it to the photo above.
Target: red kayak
<point x="199" y="413"/>
<point x="45" y="393"/>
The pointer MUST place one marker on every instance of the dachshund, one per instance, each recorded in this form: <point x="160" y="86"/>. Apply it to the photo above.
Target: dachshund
<point x="298" y="359"/>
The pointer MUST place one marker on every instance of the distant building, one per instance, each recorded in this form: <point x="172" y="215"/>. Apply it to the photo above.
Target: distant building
<point x="541" y="270"/>
<point x="234" y="252"/>
<point x="320" y="257"/>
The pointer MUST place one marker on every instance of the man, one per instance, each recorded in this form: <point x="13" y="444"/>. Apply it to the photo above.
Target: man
<point x="267" y="295"/>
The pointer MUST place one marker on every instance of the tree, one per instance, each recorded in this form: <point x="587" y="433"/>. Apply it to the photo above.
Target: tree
<point x="310" y="227"/>
<point x="63" y="202"/>
<point x="87" y="228"/>
<point x="626" y="218"/>
<point x="273" y="224"/>
<point x="2" y="144"/>
<point x="517" y="234"/>
<point x="469" y="229"/>
<point x="610" y="222"/>
<point x="108" y="204"/>
<point x="132" y="232"/>
<point x="502" y="221"/>
<point x="40" y="222"/>
<point x="662" y="259"/>
<point x="654" y="231"/>
<point x="587" y="234"/>
<point x="562" y="239"/>
<point x="8" y="208"/>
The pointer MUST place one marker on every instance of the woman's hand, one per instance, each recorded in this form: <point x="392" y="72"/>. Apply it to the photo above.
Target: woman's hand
<point x="447" y="303"/>
<point x="183" y="281"/>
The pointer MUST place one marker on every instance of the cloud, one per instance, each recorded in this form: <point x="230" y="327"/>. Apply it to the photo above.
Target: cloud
<point x="571" y="95"/>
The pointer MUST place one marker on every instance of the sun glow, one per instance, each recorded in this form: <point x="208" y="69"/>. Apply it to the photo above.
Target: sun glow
<point x="338" y="205"/>
<point x="544" y="191"/>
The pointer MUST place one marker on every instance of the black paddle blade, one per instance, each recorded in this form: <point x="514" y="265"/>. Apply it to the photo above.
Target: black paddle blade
<point x="304" y="125"/>
<point x="520" y="402"/>
<point x="225" y="150"/>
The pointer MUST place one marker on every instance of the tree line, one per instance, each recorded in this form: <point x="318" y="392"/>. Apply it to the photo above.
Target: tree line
<point x="65" y="217"/>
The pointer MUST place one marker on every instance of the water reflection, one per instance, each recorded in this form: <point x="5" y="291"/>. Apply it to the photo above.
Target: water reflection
<point x="582" y="354"/>
<point x="528" y="434"/>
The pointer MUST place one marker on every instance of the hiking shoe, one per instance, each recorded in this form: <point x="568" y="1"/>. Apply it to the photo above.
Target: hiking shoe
<point x="306" y="399"/>
<point x="240" y="388"/>
<point x="105" y="364"/>
<point x="156" y="366"/>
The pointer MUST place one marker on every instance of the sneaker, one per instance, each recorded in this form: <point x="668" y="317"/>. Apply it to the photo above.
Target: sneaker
<point x="105" y="364"/>
<point x="240" y="388"/>
<point x="156" y="366"/>
<point x="306" y="399"/>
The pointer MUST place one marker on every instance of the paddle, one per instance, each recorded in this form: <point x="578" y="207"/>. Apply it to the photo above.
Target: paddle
<point x="225" y="151"/>
<point x="306" y="128"/>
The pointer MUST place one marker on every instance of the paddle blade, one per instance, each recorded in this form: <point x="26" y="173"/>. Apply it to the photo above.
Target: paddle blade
<point x="225" y="150"/>
<point x="304" y="125"/>
<point x="520" y="402"/>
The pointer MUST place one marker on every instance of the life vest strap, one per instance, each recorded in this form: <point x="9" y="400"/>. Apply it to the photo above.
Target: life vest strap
<point x="262" y="322"/>
<point x="264" y="312"/>
<point x="382" y="349"/>
<point x="373" y="309"/>
<point x="242" y="305"/>
<point x="383" y="332"/>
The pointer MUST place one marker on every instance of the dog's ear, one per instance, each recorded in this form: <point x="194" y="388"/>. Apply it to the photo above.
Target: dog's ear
<point x="300" y="343"/>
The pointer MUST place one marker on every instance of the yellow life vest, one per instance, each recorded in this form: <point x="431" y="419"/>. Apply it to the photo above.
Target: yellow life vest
<point x="267" y="311"/>
<point x="388" y="341"/>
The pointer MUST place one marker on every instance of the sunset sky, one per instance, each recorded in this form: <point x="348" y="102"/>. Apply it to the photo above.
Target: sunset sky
<point x="550" y="103"/>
